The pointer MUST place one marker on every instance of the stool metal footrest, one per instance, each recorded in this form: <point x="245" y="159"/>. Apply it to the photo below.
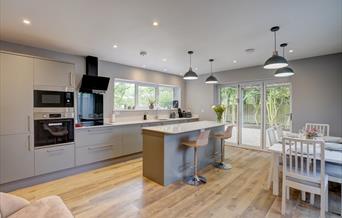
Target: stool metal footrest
<point x="196" y="180"/>
<point x="222" y="165"/>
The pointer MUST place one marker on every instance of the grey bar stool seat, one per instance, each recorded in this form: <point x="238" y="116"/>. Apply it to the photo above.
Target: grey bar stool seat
<point x="201" y="141"/>
<point x="227" y="134"/>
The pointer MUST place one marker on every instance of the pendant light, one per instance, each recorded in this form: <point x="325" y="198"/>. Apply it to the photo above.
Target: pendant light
<point x="276" y="61"/>
<point x="285" y="71"/>
<point x="190" y="75"/>
<point x="211" y="79"/>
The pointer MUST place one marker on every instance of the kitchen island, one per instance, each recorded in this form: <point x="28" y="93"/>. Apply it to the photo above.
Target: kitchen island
<point x="166" y="160"/>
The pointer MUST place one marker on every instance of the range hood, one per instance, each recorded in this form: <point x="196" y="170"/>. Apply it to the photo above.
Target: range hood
<point x="91" y="82"/>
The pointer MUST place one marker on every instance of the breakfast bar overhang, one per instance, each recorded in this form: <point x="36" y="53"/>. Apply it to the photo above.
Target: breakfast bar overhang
<point x="166" y="160"/>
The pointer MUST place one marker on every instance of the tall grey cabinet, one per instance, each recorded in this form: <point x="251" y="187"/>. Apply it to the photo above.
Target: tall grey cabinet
<point x="16" y="117"/>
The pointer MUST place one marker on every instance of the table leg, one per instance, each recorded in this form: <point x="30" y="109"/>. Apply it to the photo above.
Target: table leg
<point x="275" y="173"/>
<point x="270" y="173"/>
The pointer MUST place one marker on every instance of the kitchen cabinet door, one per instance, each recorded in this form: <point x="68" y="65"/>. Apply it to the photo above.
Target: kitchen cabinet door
<point x="52" y="74"/>
<point x="131" y="139"/>
<point x="16" y="157"/>
<point x="16" y="94"/>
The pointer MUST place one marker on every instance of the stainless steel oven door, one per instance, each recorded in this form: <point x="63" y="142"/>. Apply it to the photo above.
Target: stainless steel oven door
<point x="53" y="131"/>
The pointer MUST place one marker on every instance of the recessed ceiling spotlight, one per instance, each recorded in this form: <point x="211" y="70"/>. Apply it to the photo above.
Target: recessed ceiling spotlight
<point x="143" y="66"/>
<point x="143" y="53"/>
<point x="164" y="59"/>
<point x="155" y="23"/>
<point x="234" y="61"/>
<point x="165" y="70"/>
<point x="291" y="51"/>
<point x="115" y="46"/>
<point x="196" y="68"/>
<point x="26" y="21"/>
<point x="250" y="50"/>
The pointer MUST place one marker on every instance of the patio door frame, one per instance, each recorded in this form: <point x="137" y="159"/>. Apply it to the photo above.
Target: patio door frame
<point x="263" y="85"/>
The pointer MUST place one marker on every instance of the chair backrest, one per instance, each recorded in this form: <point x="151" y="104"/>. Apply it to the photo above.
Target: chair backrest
<point x="322" y="128"/>
<point x="228" y="132"/>
<point x="280" y="132"/>
<point x="271" y="133"/>
<point x="203" y="138"/>
<point x="301" y="158"/>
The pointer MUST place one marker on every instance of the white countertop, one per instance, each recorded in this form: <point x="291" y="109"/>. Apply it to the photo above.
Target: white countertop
<point x="132" y="122"/>
<point x="183" y="127"/>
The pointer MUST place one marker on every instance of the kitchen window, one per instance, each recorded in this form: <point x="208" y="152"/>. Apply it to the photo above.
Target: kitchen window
<point x="130" y="95"/>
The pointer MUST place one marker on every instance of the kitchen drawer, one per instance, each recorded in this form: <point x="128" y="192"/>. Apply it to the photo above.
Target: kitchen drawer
<point x="94" y="153"/>
<point x="97" y="136"/>
<point x="54" y="158"/>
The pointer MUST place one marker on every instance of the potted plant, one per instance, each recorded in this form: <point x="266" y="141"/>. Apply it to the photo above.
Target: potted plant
<point x="219" y="109"/>
<point x="151" y="103"/>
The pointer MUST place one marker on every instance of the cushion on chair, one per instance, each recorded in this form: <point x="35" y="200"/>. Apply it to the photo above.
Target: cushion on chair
<point x="51" y="207"/>
<point x="10" y="204"/>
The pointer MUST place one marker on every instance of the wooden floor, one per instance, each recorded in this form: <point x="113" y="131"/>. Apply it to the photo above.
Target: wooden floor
<point x="121" y="191"/>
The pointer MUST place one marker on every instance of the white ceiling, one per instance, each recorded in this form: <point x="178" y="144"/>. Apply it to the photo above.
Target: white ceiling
<point x="219" y="29"/>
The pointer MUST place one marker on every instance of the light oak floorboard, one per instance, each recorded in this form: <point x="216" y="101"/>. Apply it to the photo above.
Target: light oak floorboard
<point x="120" y="190"/>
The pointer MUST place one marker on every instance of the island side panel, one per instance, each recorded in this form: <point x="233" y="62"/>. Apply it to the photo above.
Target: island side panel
<point x="153" y="156"/>
<point x="178" y="159"/>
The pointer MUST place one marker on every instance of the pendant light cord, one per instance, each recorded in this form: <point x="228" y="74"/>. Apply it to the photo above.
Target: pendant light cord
<point x="211" y="67"/>
<point x="275" y="41"/>
<point x="190" y="60"/>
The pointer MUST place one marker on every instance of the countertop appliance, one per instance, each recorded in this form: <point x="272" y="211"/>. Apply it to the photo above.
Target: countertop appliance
<point x="53" y="128"/>
<point x="91" y="82"/>
<point x="53" y="99"/>
<point x="90" y="109"/>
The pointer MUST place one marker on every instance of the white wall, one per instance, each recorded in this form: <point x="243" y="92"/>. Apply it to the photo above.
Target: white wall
<point x="109" y="69"/>
<point x="316" y="87"/>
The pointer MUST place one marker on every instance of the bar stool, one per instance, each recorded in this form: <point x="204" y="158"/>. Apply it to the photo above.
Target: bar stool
<point x="227" y="134"/>
<point x="202" y="140"/>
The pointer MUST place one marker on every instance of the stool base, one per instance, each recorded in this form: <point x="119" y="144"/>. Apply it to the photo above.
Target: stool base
<point x="222" y="165"/>
<point x="195" y="180"/>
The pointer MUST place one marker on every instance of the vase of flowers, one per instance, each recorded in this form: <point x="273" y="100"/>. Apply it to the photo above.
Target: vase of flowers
<point x="151" y="104"/>
<point x="219" y="109"/>
<point x="311" y="133"/>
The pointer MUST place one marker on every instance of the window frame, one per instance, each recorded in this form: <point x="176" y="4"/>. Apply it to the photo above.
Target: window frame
<point x="176" y="94"/>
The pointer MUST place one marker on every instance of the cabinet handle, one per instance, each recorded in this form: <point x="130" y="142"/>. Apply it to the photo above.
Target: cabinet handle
<point x="70" y="75"/>
<point x="62" y="149"/>
<point x="29" y="123"/>
<point x="106" y="147"/>
<point x="29" y="142"/>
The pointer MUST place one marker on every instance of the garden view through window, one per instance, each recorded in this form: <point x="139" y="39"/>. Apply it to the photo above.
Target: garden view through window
<point x="137" y="95"/>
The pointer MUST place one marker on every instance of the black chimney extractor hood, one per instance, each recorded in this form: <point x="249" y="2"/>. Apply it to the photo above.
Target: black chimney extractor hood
<point x="91" y="82"/>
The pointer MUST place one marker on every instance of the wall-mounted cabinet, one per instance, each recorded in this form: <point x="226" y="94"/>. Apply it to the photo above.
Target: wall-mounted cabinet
<point x="52" y="74"/>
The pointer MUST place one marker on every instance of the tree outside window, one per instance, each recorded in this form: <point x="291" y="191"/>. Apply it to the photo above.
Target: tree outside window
<point x="165" y="97"/>
<point x="124" y="95"/>
<point x="146" y="96"/>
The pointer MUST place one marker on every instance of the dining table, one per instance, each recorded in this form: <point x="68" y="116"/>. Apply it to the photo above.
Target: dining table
<point x="333" y="154"/>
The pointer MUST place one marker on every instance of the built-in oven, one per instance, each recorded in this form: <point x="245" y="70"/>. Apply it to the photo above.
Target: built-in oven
<point x="53" y="128"/>
<point x="55" y="99"/>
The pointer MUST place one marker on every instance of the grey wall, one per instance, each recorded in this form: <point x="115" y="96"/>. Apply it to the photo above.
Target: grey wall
<point x="316" y="90"/>
<point x="109" y="69"/>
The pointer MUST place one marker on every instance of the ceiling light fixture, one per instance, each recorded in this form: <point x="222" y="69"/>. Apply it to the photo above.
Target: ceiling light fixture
<point x="291" y="51"/>
<point x="190" y="75"/>
<point x="165" y="70"/>
<point x="155" y="23"/>
<point x="276" y="61"/>
<point x="115" y="46"/>
<point x="285" y="71"/>
<point x="211" y="79"/>
<point x="164" y="59"/>
<point x="234" y="61"/>
<point x="26" y="21"/>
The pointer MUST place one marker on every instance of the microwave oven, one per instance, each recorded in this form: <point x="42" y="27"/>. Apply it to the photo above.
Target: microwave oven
<point x="54" y="99"/>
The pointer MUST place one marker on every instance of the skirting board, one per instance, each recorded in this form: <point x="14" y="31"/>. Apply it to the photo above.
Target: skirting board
<point x="11" y="186"/>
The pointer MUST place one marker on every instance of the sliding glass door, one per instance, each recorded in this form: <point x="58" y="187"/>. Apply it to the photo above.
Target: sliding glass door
<point x="229" y="97"/>
<point x="251" y="120"/>
<point x="254" y="107"/>
<point x="278" y="107"/>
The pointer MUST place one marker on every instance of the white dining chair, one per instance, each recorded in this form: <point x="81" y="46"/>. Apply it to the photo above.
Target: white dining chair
<point x="300" y="170"/>
<point x="322" y="128"/>
<point x="334" y="172"/>
<point x="280" y="132"/>
<point x="272" y="139"/>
